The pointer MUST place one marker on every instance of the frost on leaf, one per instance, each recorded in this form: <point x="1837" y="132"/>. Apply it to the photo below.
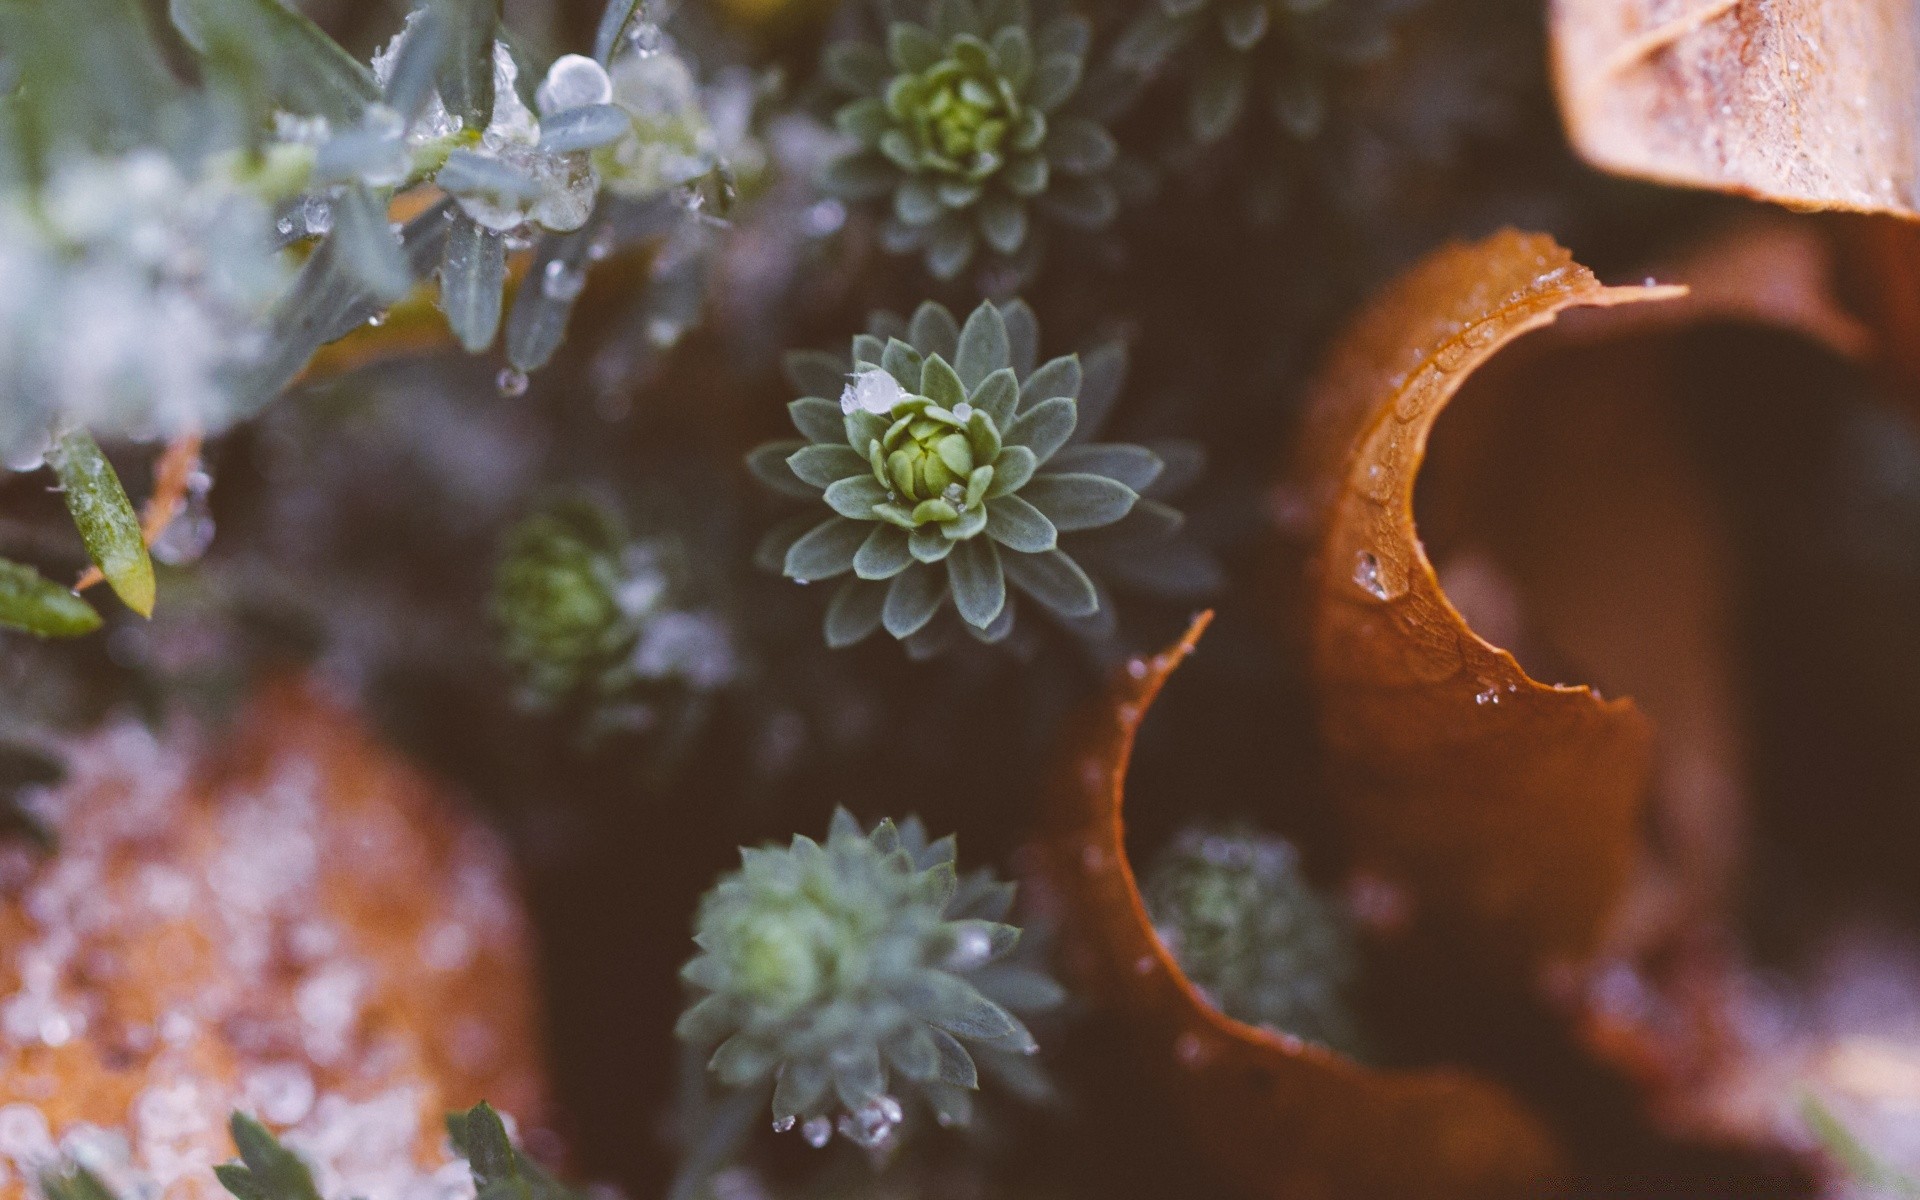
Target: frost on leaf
<point x="1809" y="103"/>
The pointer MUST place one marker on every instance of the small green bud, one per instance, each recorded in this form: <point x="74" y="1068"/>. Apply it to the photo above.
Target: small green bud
<point x="587" y="613"/>
<point x="1237" y="912"/>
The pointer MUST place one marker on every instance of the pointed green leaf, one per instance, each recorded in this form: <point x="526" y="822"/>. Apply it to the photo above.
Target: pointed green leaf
<point x="1135" y="466"/>
<point x="466" y="71"/>
<point x="1074" y="502"/>
<point x="939" y="384"/>
<point x="307" y="71"/>
<point x="824" y="466"/>
<point x="979" y="588"/>
<point x="933" y="331"/>
<point x="983" y="346"/>
<point x="769" y="465"/>
<point x="826" y="550"/>
<point x="912" y="598"/>
<point x="105" y="518"/>
<point x="1043" y="428"/>
<point x="816" y="373"/>
<point x="473" y="273"/>
<point x="1011" y="470"/>
<point x="883" y="555"/>
<point x="34" y="604"/>
<point x="1020" y="526"/>
<point x="1055" y="580"/>
<point x="1057" y="377"/>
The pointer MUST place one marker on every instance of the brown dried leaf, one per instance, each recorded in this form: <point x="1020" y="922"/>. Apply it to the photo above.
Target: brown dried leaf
<point x="1277" y="1116"/>
<point x="1808" y="103"/>
<point x="1526" y="828"/>
<point x="1513" y="803"/>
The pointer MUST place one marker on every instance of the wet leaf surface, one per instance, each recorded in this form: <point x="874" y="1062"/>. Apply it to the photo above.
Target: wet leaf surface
<point x="1275" y="1116"/>
<point x="1808" y="103"/>
<point x="1509" y="805"/>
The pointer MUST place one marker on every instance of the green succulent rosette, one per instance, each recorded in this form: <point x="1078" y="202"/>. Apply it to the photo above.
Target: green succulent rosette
<point x="959" y="118"/>
<point x="1253" y="934"/>
<point x="962" y="471"/>
<point x="1284" y="54"/>
<point x="853" y="976"/>
<point x="594" y="620"/>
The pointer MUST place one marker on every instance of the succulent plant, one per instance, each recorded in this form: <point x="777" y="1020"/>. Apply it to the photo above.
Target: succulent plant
<point x="1284" y="52"/>
<point x="954" y="467"/>
<point x="589" y="614"/>
<point x="851" y="975"/>
<point x="1238" y="913"/>
<point x="959" y="117"/>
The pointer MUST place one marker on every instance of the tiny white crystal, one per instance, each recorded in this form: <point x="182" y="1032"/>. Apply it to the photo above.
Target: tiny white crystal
<point x="872" y="391"/>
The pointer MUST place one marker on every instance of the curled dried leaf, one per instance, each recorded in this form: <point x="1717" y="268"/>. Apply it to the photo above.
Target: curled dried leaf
<point x="1507" y="806"/>
<point x="1523" y="828"/>
<point x="1278" y="1116"/>
<point x="1808" y="103"/>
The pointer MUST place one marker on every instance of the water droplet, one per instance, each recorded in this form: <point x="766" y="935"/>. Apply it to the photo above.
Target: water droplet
<point x="872" y="1124"/>
<point x="562" y="281"/>
<point x="190" y="531"/>
<point x="317" y="215"/>
<point x="1366" y="575"/>
<point x="1190" y="1050"/>
<point x="573" y="81"/>
<point x="511" y="383"/>
<point x="285" y="226"/>
<point x="645" y="39"/>
<point x="782" y="1124"/>
<point x="377" y="320"/>
<point x="824" y="218"/>
<point x="1137" y="668"/>
<point x="963" y="410"/>
<point x="1379" y="483"/>
<point x="971" y="948"/>
<point x="817" y="1131"/>
<point x="1490" y="696"/>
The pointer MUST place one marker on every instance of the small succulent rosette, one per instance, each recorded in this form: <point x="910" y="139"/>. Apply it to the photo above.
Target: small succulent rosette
<point x="1238" y="913"/>
<point x="959" y="472"/>
<point x="858" y="976"/>
<point x="961" y="120"/>
<point x="595" y="622"/>
<point x="1284" y="54"/>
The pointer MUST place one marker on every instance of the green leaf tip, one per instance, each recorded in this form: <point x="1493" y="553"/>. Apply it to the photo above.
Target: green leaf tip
<point x="34" y="604"/>
<point x="267" y="1170"/>
<point x="105" y="518"/>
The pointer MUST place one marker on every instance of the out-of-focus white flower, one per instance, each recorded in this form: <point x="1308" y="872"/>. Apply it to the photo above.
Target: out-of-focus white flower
<point x="133" y="296"/>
